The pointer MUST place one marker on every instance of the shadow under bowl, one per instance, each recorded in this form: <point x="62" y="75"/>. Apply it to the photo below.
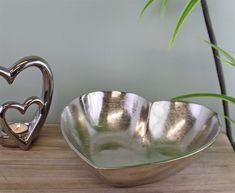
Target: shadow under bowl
<point x="127" y="140"/>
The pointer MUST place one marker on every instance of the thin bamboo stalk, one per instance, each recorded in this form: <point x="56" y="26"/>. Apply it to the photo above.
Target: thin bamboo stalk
<point x="218" y="66"/>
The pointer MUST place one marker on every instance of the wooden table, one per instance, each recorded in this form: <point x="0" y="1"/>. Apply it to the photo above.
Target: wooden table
<point x="50" y="167"/>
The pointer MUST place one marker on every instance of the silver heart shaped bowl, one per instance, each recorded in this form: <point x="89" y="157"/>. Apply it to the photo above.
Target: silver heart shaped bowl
<point x="127" y="140"/>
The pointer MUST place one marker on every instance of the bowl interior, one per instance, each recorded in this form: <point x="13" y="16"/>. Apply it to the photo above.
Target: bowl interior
<point x="116" y="129"/>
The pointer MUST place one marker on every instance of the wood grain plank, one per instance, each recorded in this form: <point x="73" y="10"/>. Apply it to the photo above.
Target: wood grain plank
<point x="50" y="167"/>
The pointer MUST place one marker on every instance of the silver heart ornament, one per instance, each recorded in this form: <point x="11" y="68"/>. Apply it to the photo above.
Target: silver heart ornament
<point x="10" y="138"/>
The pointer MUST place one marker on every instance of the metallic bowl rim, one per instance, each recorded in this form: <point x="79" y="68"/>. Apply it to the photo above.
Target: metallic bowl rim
<point x="189" y="154"/>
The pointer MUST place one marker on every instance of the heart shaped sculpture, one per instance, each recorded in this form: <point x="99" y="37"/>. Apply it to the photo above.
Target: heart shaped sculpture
<point x="127" y="140"/>
<point x="7" y="136"/>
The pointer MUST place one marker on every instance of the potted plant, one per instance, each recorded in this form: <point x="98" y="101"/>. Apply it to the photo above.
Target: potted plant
<point x="189" y="7"/>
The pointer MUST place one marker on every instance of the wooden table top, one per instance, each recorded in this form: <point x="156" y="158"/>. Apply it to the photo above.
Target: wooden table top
<point x="50" y="166"/>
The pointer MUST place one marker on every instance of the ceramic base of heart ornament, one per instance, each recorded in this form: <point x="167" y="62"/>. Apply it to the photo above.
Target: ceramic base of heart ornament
<point x="8" y="136"/>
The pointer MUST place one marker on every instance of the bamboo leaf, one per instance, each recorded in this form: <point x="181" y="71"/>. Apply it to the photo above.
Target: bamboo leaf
<point x="209" y="95"/>
<point x="186" y="11"/>
<point x="163" y="7"/>
<point x="231" y="63"/>
<point x="230" y="60"/>
<point x="229" y="119"/>
<point x="147" y="5"/>
<point x="206" y="95"/>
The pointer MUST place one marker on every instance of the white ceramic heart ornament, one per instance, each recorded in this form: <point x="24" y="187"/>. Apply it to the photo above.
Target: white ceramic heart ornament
<point x="8" y="136"/>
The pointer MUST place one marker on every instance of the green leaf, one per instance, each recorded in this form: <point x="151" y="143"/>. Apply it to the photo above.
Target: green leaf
<point x="231" y="63"/>
<point x="206" y="95"/>
<point x="229" y="119"/>
<point x="149" y="2"/>
<point x="209" y="95"/>
<point x="186" y="11"/>
<point x="230" y="60"/>
<point x="163" y="7"/>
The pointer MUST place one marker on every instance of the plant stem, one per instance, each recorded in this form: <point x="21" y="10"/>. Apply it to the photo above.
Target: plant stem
<point x="218" y="66"/>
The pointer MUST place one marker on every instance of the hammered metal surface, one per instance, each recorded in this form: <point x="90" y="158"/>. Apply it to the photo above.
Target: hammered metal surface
<point x="127" y="140"/>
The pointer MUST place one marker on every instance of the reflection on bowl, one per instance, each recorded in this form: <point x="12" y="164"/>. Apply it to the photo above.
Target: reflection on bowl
<point x="127" y="140"/>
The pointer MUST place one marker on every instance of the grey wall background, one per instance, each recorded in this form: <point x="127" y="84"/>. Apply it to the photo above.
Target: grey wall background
<point x="100" y="45"/>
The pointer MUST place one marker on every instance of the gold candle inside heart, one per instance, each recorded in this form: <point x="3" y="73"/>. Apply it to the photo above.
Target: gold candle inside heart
<point x="18" y="128"/>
